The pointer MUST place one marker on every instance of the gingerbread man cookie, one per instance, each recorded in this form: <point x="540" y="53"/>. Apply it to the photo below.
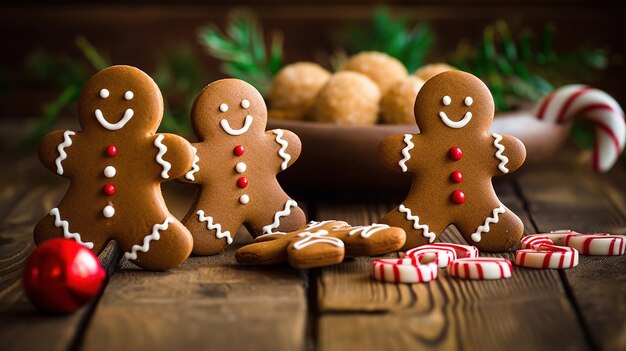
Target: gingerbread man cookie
<point x="115" y="165"/>
<point x="236" y="165"/>
<point x="321" y="244"/>
<point x="453" y="161"/>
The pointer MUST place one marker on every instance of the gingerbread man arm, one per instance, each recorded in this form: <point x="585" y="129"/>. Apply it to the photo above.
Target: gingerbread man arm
<point x="287" y="145"/>
<point x="398" y="152"/>
<point x="509" y="153"/>
<point x="194" y="173"/>
<point x="54" y="148"/>
<point x="175" y="155"/>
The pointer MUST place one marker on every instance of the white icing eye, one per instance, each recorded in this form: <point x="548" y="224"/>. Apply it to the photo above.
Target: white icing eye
<point x="129" y="95"/>
<point x="104" y="93"/>
<point x="446" y="100"/>
<point x="245" y="103"/>
<point x="223" y="107"/>
<point x="469" y="101"/>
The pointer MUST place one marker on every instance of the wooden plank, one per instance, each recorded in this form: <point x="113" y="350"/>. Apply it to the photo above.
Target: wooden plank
<point x="598" y="285"/>
<point x="531" y="307"/>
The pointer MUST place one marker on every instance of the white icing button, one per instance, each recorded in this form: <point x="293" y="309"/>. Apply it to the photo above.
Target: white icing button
<point x="223" y="107"/>
<point x="110" y="171"/>
<point x="129" y="95"/>
<point x="245" y="103"/>
<point x="240" y="167"/>
<point x="469" y="101"/>
<point x="108" y="211"/>
<point x="447" y="100"/>
<point x="104" y="93"/>
<point x="244" y="199"/>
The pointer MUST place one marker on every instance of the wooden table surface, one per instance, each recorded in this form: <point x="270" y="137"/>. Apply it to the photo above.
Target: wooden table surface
<point x="212" y="303"/>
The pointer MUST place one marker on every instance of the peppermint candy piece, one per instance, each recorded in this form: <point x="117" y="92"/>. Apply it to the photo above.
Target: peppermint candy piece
<point x="409" y="270"/>
<point x="547" y="256"/>
<point x="599" y="244"/>
<point x="481" y="268"/>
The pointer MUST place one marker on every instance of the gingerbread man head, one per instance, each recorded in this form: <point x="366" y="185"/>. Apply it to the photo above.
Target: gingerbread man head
<point x="453" y="160"/>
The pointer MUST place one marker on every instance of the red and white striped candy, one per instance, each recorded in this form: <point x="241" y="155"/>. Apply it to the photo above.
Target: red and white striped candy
<point x="481" y="268"/>
<point x="547" y="256"/>
<point x="557" y="237"/>
<point x="596" y="106"/>
<point x="443" y="255"/>
<point x="598" y="244"/>
<point x="419" y="269"/>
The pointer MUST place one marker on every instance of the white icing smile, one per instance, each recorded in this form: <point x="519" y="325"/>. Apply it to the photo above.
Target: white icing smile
<point x="246" y="125"/>
<point x="455" y="124"/>
<point x="115" y="126"/>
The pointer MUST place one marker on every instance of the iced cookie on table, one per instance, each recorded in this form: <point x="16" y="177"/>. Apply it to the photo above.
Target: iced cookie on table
<point x="452" y="161"/>
<point x="115" y="165"/>
<point x="321" y="244"/>
<point x="235" y="168"/>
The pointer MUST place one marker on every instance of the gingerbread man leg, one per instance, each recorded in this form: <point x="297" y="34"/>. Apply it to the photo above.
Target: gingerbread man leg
<point x="213" y="229"/>
<point x="269" y="249"/>
<point x="280" y="213"/>
<point x="161" y="246"/>
<point x="420" y="225"/>
<point x="493" y="227"/>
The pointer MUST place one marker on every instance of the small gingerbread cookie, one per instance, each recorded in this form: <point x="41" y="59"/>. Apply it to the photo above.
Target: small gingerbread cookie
<point x="321" y="244"/>
<point x="115" y="165"/>
<point x="453" y="161"/>
<point x="235" y="167"/>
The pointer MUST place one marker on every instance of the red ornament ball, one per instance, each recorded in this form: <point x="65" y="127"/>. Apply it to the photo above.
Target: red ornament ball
<point x="458" y="197"/>
<point x="238" y="150"/>
<point x="61" y="276"/>
<point x="112" y="150"/>
<point x="456" y="176"/>
<point x="109" y="189"/>
<point x="455" y="153"/>
<point x="242" y="182"/>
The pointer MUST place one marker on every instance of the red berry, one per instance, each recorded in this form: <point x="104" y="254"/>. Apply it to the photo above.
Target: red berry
<point x="456" y="176"/>
<point x="238" y="150"/>
<point x="458" y="197"/>
<point x="455" y="153"/>
<point x="112" y="151"/>
<point x="109" y="189"/>
<point x="242" y="182"/>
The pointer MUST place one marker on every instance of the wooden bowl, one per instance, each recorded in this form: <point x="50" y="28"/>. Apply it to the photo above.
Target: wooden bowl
<point x="345" y="157"/>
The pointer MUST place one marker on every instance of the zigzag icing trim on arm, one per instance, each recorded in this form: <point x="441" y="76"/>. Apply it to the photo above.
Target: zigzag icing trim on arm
<point x="59" y="223"/>
<point x="194" y="167"/>
<point x="405" y="151"/>
<point x="158" y="142"/>
<point x="499" y="154"/>
<point x="155" y="235"/>
<point x="416" y="223"/>
<point x="217" y="227"/>
<point x="283" y="146"/>
<point x="369" y="230"/>
<point x="318" y="237"/>
<point x="284" y="213"/>
<point x="485" y="227"/>
<point x="67" y="142"/>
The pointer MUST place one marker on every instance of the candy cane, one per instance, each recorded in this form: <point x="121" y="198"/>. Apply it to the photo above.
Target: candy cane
<point x="481" y="268"/>
<point x="547" y="256"/>
<point x="596" y="106"/>
<point x="443" y="255"/>
<point x="598" y="244"/>
<point x="420" y="269"/>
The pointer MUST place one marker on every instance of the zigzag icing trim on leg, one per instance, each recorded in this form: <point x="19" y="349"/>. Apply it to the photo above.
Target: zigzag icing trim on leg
<point x="132" y="254"/>
<point x="416" y="223"/>
<point x="194" y="167"/>
<point x="217" y="227"/>
<point x="499" y="154"/>
<point x="67" y="142"/>
<point x="476" y="236"/>
<point x="159" y="158"/>
<point x="283" y="146"/>
<point x="59" y="223"/>
<point x="284" y="213"/>
<point x="405" y="151"/>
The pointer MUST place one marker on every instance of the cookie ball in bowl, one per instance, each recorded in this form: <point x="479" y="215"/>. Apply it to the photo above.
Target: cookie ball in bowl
<point x="383" y="69"/>
<point x="397" y="104"/>
<point x="294" y="89"/>
<point x="349" y="98"/>
<point x="428" y="71"/>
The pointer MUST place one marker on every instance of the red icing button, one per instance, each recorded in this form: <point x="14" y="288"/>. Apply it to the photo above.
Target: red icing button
<point x="109" y="189"/>
<point x="458" y="197"/>
<point x="238" y="150"/>
<point x="456" y="176"/>
<point x="112" y="150"/>
<point x="455" y="153"/>
<point x="242" y="182"/>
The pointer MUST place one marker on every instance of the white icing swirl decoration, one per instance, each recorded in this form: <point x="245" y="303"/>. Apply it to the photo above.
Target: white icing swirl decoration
<point x="158" y="142"/>
<point x="458" y="124"/>
<point x="59" y="223"/>
<point x="217" y="227"/>
<point x="476" y="236"/>
<point x="155" y="235"/>
<point x="115" y="126"/>
<point x="67" y="142"/>
<point x="194" y="167"/>
<point x="317" y="237"/>
<point x="246" y="125"/>
<point x="499" y="154"/>
<point x="416" y="223"/>
<point x="369" y="230"/>
<point x="283" y="146"/>
<point x="405" y="152"/>
<point x="284" y="213"/>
